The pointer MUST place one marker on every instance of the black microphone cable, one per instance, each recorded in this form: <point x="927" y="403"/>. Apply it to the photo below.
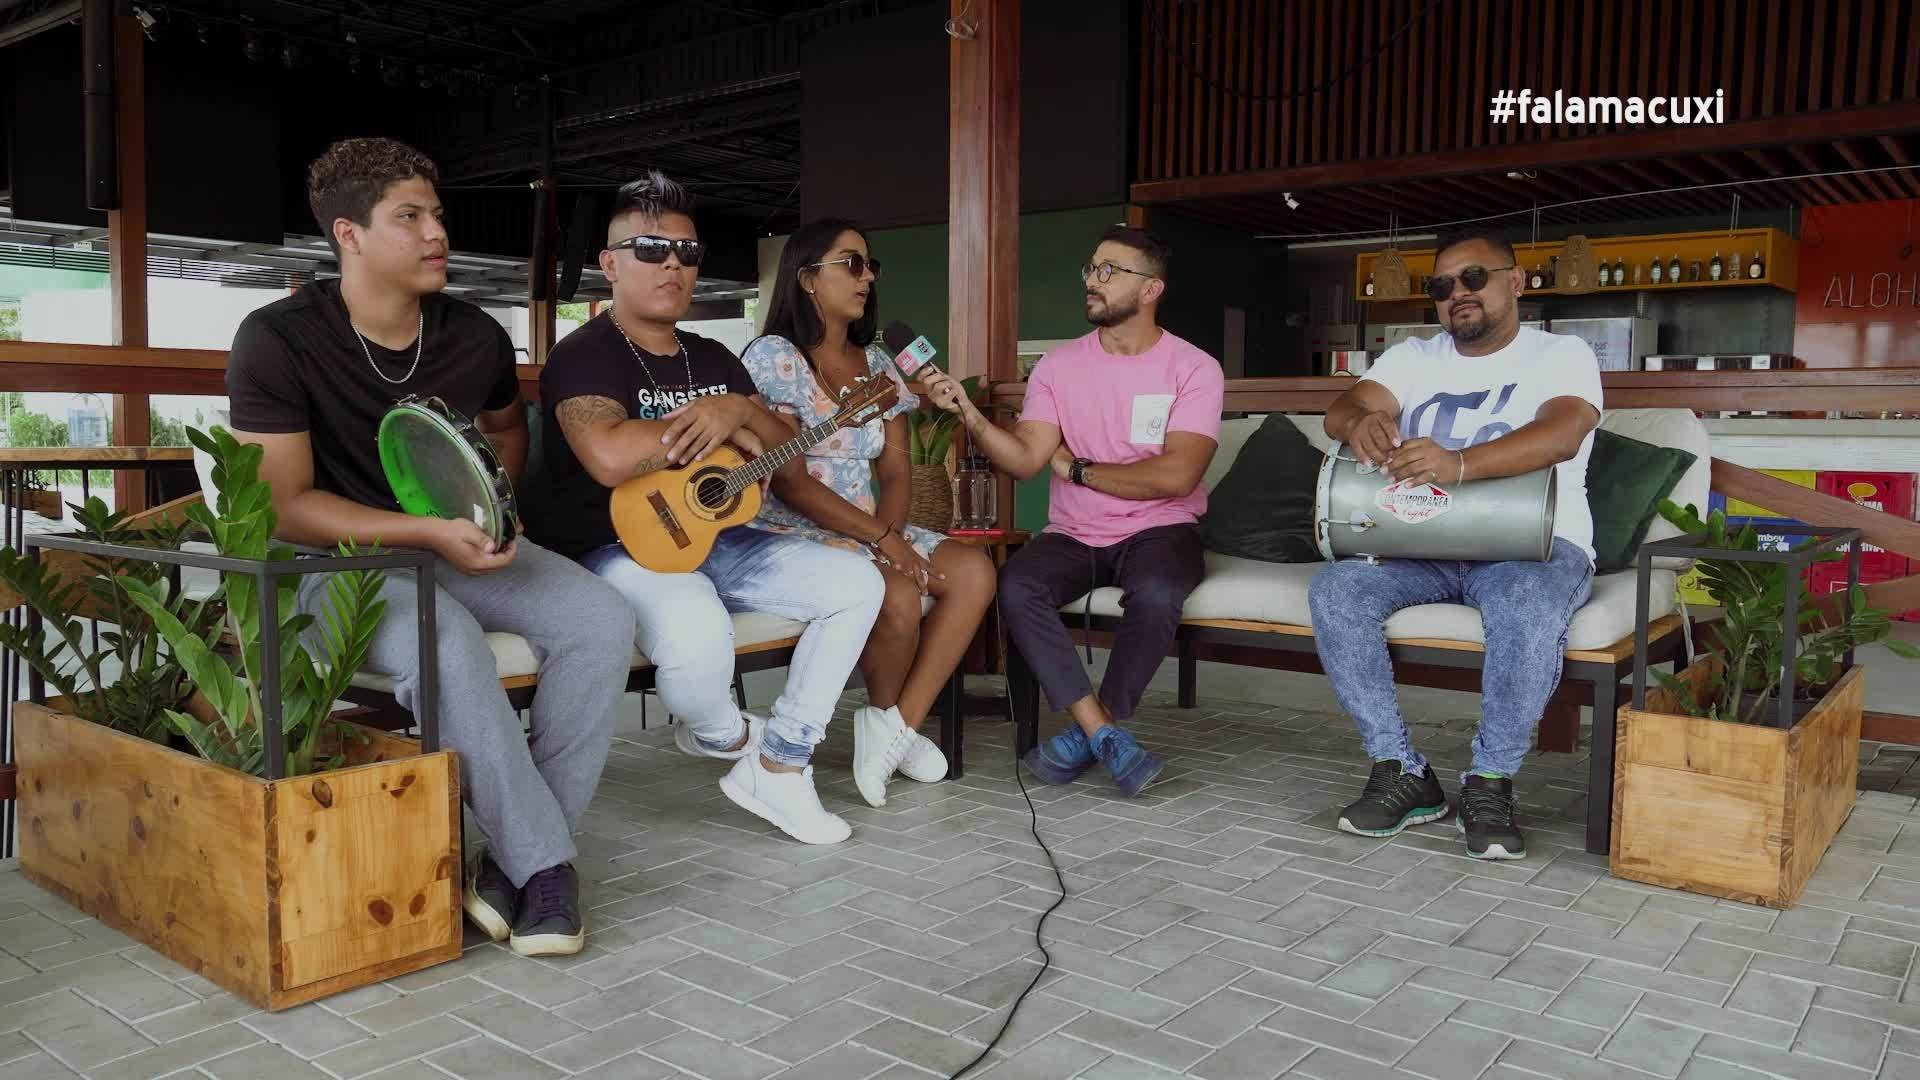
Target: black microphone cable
<point x="1033" y="820"/>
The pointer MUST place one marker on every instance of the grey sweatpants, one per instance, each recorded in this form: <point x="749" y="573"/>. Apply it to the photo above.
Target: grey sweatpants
<point x="525" y="795"/>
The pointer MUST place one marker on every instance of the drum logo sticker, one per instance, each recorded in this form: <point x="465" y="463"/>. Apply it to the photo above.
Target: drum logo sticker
<point x="1413" y="503"/>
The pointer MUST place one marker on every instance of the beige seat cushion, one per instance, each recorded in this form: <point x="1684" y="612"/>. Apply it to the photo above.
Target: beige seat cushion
<point x="1252" y="591"/>
<point x="513" y="657"/>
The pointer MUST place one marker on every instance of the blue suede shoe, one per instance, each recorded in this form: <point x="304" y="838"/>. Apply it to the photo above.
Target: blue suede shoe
<point x="1061" y="759"/>
<point x="1133" y="768"/>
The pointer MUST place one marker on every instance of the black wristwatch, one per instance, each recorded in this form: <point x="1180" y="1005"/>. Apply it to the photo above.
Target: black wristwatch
<point x="1077" y="472"/>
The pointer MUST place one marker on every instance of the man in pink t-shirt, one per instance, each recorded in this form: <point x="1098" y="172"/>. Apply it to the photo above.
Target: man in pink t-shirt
<point x="1129" y="418"/>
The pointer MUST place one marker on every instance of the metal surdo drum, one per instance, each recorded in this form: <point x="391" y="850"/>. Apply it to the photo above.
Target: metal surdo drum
<point x="1358" y="512"/>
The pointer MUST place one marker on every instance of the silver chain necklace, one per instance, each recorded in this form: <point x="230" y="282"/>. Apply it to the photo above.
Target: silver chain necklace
<point x="419" y="342"/>
<point x="643" y="360"/>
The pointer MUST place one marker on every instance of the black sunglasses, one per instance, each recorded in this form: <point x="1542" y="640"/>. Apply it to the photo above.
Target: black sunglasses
<point x="1473" y="277"/>
<point x="653" y="249"/>
<point x="857" y="265"/>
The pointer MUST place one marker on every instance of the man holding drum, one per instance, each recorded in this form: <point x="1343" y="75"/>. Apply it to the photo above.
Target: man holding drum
<point x="1487" y="399"/>
<point x="310" y="377"/>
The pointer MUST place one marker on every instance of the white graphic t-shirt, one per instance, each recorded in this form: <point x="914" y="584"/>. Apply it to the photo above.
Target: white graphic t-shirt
<point x="1461" y="401"/>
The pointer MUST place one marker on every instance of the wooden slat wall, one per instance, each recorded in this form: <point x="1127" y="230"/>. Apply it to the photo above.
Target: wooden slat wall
<point x="1210" y="70"/>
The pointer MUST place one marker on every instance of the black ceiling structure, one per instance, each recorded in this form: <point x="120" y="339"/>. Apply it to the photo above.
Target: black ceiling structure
<point x="499" y="92"/>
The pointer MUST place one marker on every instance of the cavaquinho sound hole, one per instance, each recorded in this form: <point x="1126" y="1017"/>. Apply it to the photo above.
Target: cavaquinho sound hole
<point x="709" y="495"/>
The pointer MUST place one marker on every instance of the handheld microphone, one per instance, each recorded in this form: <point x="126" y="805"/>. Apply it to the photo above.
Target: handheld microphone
<point x="910" y="351"/>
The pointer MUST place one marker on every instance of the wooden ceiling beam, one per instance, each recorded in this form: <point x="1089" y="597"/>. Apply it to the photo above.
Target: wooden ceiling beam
<point x="1891" y="118"/>
<point x="1686" y="168"/>
<point x="1897" y="150"/>
<point x="1828" y="187"/>
<point x="1882" y="184"/>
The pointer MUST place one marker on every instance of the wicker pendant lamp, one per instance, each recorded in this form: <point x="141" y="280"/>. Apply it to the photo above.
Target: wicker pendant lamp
<point x="1579" y="267"/>
<point x="1391" y="279"/>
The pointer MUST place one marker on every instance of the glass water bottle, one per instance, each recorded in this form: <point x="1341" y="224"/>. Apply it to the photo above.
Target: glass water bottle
<point x="975" y="495"/>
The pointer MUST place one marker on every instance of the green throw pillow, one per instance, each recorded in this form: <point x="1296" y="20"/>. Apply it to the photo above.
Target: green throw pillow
<point x="1626" y="479"/>
<point x="1263" y="508"/>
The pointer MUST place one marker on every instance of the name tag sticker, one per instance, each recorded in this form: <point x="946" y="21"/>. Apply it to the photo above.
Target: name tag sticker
<point x="1150" y="418"/>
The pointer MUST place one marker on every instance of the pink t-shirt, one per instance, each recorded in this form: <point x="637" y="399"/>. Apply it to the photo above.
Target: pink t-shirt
<point x="1118" y="410"/>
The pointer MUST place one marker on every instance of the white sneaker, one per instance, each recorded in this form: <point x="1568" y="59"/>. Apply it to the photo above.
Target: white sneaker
<point x="924" y="761"/>
<point x="689" y="744"/>
<point x="881" y="741"/>
<point x="787" y="800"/>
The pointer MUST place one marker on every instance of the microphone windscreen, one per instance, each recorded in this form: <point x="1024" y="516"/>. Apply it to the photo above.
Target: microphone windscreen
<point x="898" y="336"/>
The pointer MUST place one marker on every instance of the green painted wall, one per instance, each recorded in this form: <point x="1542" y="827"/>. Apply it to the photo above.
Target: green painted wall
<point x="18" y="281"/>
<point x="1052" y="247"/>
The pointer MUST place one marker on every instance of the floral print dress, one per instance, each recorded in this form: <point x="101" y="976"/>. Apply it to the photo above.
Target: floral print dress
<point x="844" y="462"/>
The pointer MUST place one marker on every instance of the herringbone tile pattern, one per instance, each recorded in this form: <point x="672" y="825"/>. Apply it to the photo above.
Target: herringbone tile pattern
<point x="1218" y="928"/>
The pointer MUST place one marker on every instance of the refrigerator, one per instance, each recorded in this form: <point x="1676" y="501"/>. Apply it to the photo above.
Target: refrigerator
<point x="1620" y="343"/>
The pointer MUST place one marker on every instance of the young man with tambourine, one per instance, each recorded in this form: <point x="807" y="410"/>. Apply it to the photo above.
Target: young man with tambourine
<point x="1486" y="400"/>
<point x="636" y="412"/>
<point x="311" y="378"/>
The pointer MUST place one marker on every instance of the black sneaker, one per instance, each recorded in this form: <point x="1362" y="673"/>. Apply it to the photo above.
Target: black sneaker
<point x="1394" y="800"/>
<point x="1486" y="817"/>
<point x="491" y="900"/>
<point x="549" y="923"/>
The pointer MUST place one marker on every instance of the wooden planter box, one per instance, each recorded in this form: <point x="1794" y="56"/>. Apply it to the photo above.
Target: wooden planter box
<point x="281" y="891"/>
<point x="1733" y="810"/>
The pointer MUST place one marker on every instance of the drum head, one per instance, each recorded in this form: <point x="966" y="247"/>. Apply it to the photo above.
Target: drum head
<point x="435" y="472"/>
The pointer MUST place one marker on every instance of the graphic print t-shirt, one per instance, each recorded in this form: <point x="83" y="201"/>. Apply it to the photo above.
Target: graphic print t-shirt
<point x="1460" y="401"/>
<point x="595" y="361"/>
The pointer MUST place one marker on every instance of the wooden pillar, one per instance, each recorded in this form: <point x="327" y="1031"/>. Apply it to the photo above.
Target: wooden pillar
<point x="542" y="328"/>
<point x="541" y="306"/>
<point x="983" y="233"/>
<point x="127" y="238"/>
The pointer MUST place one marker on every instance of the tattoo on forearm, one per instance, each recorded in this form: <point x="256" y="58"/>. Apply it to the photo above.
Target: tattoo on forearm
<point x="579" y="415"/>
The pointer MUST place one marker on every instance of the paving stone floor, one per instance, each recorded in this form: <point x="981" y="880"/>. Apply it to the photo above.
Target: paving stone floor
<point x="1218" y="928"/>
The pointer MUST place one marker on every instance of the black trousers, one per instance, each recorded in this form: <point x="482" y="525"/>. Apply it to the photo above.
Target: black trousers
<point x="1156" y="569"/>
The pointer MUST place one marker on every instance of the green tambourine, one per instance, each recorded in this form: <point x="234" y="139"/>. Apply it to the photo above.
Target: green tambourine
<point x="439" y="465"/>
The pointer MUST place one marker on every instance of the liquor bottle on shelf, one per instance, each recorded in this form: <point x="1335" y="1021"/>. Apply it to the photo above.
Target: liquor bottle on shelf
<point x="1606" y="274"/>
<point x="1755" y="270"/>
<point x="1673" y="269"/>
<point x="1714" y="269"/>
<point x="1655" y="272"/>
<point x="1636" y="273"/>
<point x="1536" y="280"/>
<point x="1693" y="270"/>
<point x="1620" y="272"/>
<point x="1553" y="272"/>
<point x="1369" y="289"/>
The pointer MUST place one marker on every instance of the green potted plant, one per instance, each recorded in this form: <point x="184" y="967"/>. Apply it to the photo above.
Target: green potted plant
<point x="344" y="871"/>
<point x="1740" y="671"/>
<point x="123" y="678"/>
<point x="1712" y="792"/>
<point x="930" y="434"/>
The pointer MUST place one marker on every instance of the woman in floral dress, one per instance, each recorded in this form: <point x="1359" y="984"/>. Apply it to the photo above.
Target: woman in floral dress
<point x="819" y="339"/>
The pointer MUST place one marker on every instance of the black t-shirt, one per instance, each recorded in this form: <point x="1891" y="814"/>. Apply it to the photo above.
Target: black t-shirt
<point x="596" y="361"/>
<point x="297" y="365"/>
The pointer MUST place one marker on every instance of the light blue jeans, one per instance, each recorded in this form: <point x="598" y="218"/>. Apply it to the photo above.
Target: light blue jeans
<point x="686" y="630"/>
<point x="1524" y="609"/>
